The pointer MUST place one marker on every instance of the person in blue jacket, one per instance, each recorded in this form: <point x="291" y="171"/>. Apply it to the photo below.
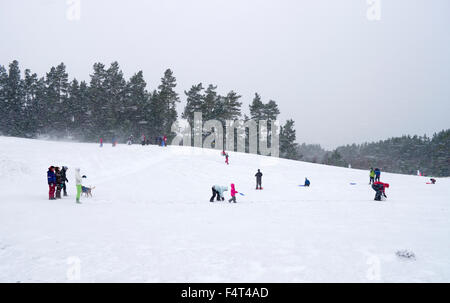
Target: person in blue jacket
<point x="377" y="174"/>
<point x="307" y="183"/>
<point x="51" y="179"/>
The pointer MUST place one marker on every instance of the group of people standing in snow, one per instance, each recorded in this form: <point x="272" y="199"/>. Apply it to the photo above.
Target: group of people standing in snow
<point x="57" y="179"/>
<point x="159" y="140"/>
<point x="374" y="175"/>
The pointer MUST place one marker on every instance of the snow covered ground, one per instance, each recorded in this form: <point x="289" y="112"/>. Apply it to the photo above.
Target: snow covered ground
<point x="150" y="219"/>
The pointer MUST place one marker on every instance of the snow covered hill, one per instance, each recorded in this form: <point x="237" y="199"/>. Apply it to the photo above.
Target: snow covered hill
<point x="150" y="219"/>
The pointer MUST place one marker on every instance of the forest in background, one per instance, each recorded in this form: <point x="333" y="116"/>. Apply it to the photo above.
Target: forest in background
<point x="110" y="106"/>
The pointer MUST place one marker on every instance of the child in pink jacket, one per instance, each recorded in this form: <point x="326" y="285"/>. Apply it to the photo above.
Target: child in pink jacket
<point x="233" y="194"/>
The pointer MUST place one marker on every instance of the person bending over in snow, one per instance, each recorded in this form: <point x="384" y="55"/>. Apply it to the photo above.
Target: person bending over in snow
<point x="233" y="194"/>
<point x="78" y="182"/>
<point x="380" y="188"/>
<point x="258" y="179"/>
<point x="51" y="179"/>
<point x="433" y="181"/>
<point x="307" y="183"/>
<point x="372" y="176"/>
<point x="217" y="191"/>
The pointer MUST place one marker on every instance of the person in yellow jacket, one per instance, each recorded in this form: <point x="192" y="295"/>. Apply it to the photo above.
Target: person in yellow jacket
<point x="372" y="176"/>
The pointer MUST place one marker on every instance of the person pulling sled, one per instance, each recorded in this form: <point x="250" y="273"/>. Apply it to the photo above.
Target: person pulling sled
<point x="233" y="194"/>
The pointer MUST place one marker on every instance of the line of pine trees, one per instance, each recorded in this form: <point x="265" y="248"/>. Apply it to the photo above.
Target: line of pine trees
<point x="110" y="106"/>
<point x="405" y="155"/>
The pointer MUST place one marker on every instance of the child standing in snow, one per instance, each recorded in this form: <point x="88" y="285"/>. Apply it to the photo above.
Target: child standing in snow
<point x="372" y="176"/>
<point x="51" y="179"/>
<point x="78" y="182"/>
<point x="226" y="158"/>
<point x="233" y="194"/>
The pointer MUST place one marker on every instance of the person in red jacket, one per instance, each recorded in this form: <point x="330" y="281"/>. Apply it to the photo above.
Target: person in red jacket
<point x="379" y="188"/>
<point x="226" y="158"/>
<point x="233" y="194"/>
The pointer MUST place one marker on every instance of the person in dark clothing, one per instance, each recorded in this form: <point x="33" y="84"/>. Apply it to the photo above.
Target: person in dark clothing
<point x="380" y="188"/>
<point x="58" y="182"/>
<point x="377" y="174"/>
<point x="259" y="179"/>
<point x="433" y="181"/>
<point x="64" y="180"/>
<point x="51" y="179"/>
<point x="307" y="183"/>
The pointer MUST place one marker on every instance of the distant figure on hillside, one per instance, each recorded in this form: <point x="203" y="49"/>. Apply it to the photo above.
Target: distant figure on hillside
<point x="259" y="179"/>
<point x="433" y="181"/>
<point x="226" y="159"/>
<point x="143" y="139"/>
<point x="130" y="140"/>
<point x="233" y="194"/>
<point x="101" y="142"/>
<point x="307" y="183"/>
<point x="380" y="188"/>
<point x="165" y="140"/>
<point x="51" y="179"/>
<point x="377" y="174"/>
<point x="372" y="176"/>
<point x="217" y="191"/>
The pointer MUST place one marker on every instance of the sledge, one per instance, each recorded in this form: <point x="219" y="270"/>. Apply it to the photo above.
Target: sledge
<point x="260" y="188"/>
<point x="241" y="194"/>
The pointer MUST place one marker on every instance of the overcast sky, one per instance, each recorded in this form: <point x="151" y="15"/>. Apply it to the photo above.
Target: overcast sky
<point x="340" y="76"/>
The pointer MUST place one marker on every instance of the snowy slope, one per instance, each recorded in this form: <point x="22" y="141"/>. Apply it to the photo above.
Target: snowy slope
<point x="150" y="219"/>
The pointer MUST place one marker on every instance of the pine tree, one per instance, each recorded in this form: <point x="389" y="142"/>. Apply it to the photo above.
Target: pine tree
<point x="97" y="113"/>
<point x="194" y="102"/>
<point x="14" y="101"/>
<point x="137" y="100"/>
<point x="211" y="108"/>
<point x="3" y="100"/>
<point x="257" y="108"/>
<point x="288" y="147"/>
<point x="31" y="92"/>
<point x="164" y="105"/>
<point x="232" y="106"/>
